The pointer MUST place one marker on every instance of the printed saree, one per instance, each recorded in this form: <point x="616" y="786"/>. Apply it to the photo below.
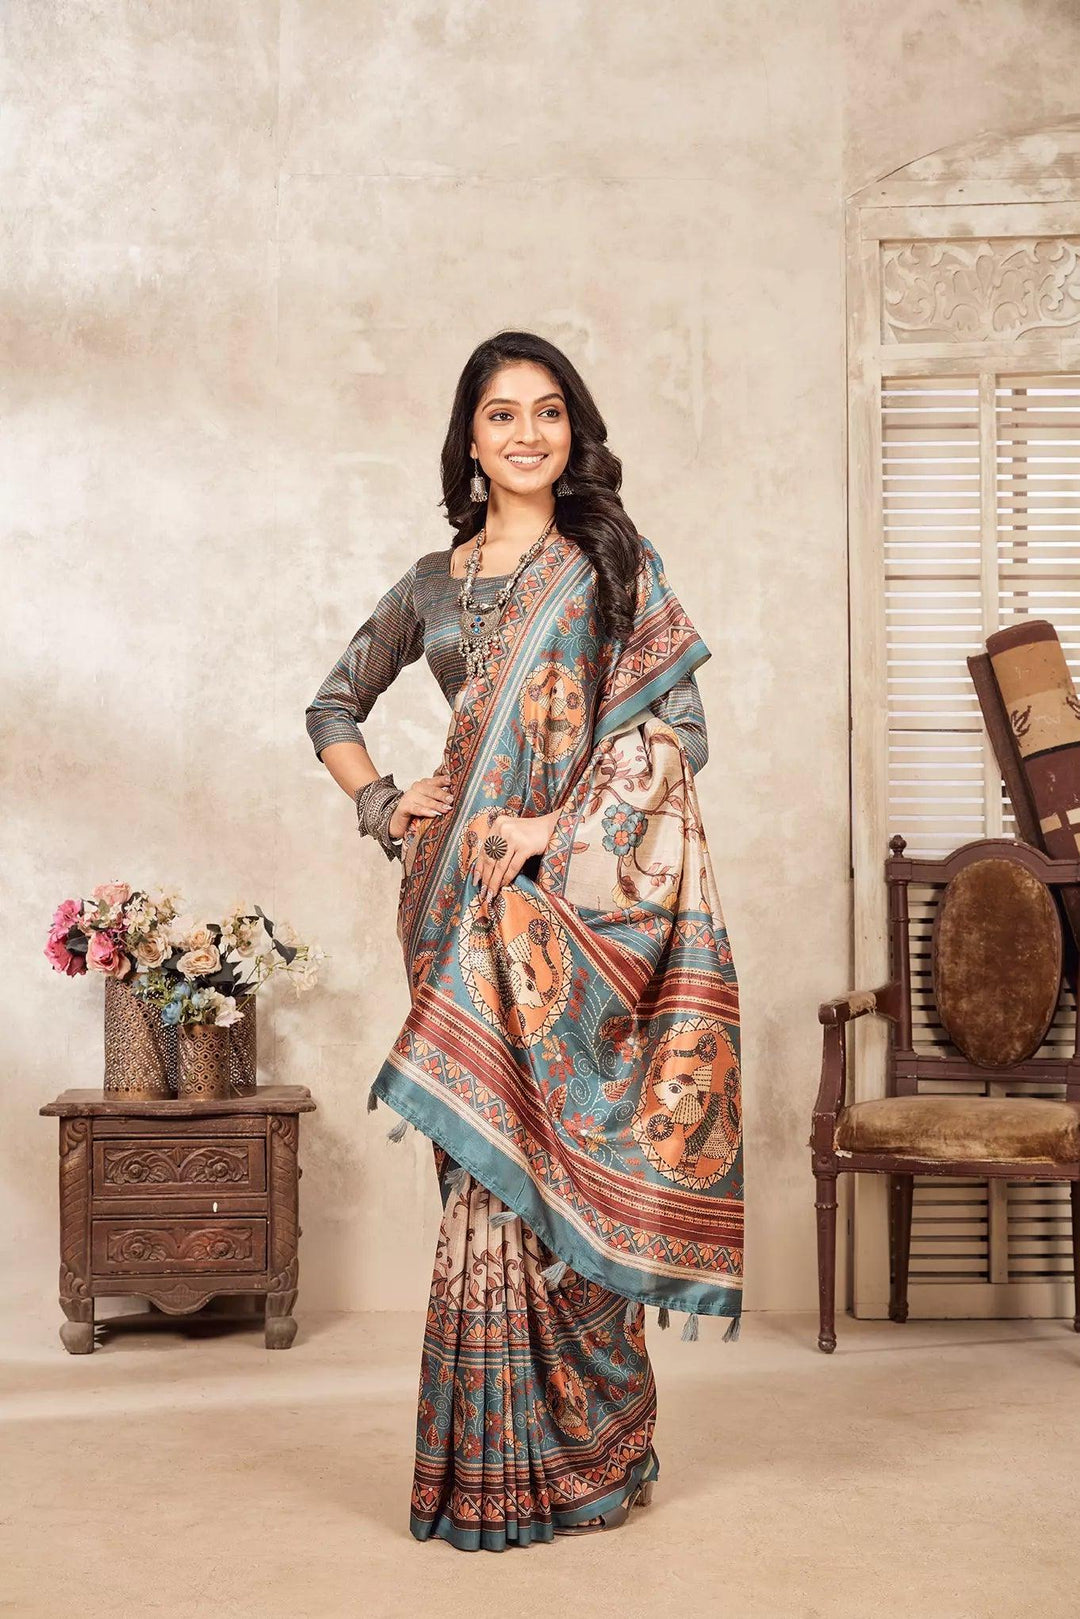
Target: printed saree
<point x="572" y="1050"/>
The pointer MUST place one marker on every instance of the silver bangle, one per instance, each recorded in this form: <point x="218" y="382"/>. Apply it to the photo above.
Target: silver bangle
<point x="375" y="806"/>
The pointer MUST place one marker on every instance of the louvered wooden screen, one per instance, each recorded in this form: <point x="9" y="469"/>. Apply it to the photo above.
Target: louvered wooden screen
<point x="964" y="507"/>
<point x="943" y="595"/>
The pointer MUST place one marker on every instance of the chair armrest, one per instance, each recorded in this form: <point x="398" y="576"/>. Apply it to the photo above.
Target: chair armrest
<point x="834" y="1016"/>
<point x="857" y="1002"/>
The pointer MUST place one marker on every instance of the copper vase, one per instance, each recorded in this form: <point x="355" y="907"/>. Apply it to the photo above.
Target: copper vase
<point x="243" y="1052"/>
<point x="203" y="1068"/>
<point x="136" y="1045"/>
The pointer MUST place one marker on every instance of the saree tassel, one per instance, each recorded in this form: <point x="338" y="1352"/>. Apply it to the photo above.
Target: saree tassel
<point x="554" y="1273"/>
<point x="455" y="1183"/>
<point x="502" y="1219"/>
<point x="630" y="1313"/>
<point x="732" y="1333"/>
<point x="398" y="1132"/>
<point x="663" y="1319"/>
<point x="690" y="1332"/>
<point x="372" y="1100"/>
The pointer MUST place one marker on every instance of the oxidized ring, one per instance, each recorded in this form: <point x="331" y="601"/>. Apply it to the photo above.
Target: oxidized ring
<point x="496" y="848"/>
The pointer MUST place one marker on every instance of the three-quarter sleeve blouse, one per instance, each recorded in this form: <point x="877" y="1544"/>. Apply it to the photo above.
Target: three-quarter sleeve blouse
<point x="419" y="615"/>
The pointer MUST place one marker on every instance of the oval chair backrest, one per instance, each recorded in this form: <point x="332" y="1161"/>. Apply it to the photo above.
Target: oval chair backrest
<point x="996" y="956"/>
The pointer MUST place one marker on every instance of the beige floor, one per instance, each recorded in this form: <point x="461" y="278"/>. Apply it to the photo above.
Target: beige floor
<point x="932" y="1470"/>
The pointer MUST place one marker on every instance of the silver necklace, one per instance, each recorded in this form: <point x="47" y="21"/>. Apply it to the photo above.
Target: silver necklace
<point x="480" y="623"/>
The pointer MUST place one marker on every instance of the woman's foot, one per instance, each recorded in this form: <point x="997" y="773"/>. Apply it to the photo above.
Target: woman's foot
<point x="638" y="1497"/>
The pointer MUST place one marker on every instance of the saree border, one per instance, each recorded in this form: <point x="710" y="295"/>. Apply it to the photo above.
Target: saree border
<point x="534" y="1530"/>
<point x="468" y="728"/>
<point x="615" y="716"/>
<point x="650" y="1282"/>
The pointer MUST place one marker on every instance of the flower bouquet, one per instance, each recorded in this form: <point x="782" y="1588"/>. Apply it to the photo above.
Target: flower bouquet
<point x="179" y="992"/>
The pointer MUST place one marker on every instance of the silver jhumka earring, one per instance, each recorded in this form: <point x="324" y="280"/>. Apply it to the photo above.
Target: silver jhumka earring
<point x="564" y="486"/>
<point x="477" y="487"/>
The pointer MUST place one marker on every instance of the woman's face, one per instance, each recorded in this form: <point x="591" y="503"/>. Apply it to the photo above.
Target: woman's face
<point x="521" y="431"/>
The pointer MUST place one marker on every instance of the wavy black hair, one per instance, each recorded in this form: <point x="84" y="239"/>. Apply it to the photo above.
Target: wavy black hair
<point x="593" y="515"/>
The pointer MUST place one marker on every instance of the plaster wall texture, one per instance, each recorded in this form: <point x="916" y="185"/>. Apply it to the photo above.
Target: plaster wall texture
<point x="249" y="248"/>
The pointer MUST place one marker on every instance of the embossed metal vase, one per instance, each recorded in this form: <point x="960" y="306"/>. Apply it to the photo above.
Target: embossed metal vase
<point x="137" y="1046"/>
<point x="243" y="1053"/>
<point x="203" y="1069"/>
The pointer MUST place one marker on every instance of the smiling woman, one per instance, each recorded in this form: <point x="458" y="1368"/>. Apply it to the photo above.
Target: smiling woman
<point x="572" y="1045"/>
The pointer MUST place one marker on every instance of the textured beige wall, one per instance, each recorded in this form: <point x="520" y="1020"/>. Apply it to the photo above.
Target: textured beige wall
<point x="250" y="246"/>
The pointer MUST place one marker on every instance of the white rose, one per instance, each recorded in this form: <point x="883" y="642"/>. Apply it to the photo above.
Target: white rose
<point x="190" y="933"/>
<point x="199" y="961"/>
<point x="151" y="951"/>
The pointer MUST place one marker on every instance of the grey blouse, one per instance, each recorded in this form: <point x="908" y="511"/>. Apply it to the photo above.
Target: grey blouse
<point x="420" y="615"/>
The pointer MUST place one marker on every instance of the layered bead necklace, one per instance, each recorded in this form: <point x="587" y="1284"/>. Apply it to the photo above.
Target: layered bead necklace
<point x="479" y="622"/>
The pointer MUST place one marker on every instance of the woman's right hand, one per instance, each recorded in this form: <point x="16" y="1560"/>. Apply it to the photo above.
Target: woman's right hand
<point x="429" y="796"/>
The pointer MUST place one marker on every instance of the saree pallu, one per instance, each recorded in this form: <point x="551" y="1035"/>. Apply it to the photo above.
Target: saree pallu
<point x="572" y="1050"/>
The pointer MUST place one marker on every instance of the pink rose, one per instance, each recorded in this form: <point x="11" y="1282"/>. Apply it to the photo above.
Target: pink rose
<point x="112" y="894"/>
<point x="67" y="913"/>
<point x="61" y="957"/>
<point x="105" y="956"/>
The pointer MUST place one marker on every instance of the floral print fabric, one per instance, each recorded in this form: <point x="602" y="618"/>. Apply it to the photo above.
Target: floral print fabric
<point x="537" y="1400"/>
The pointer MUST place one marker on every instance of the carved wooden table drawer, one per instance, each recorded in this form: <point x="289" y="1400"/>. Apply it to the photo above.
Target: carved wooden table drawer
<point x="162" y="1167"/>
<point x="179" y="1202"/>
<point x="169" y="1246"/>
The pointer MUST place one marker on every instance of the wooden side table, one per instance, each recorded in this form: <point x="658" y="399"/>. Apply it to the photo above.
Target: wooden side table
<point x="178" y="1202"/>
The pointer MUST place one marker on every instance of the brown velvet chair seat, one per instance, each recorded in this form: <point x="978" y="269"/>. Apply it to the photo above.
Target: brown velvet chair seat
<point x="962" y="1127"/>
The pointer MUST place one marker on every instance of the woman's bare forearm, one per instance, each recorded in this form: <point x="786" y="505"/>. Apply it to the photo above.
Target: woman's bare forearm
<point x="350" y="764"/>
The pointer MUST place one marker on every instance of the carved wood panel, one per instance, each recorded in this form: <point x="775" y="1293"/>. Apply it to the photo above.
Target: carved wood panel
<point x="75" y="1297"/>
<point x="284" y="1134"/>
<point x="160" y="1246"/>
<point x="164" y="1168"/>
<point x="965" y="291"/>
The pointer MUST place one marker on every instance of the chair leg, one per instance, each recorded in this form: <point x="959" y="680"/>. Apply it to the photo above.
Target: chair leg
<point x="901" y="1196"/>
<point x="1074" y="1199"/>
<point x="825" y="1206"/>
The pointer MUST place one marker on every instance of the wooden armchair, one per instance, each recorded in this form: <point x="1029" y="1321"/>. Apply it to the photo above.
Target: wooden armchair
<point x="997" y="977"/>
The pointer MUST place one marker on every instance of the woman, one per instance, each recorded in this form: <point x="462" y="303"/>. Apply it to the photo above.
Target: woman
<point x="572" y="1046"/>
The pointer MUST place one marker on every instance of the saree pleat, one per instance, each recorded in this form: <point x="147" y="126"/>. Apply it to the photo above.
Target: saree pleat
<point x="537" y="1402"/>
